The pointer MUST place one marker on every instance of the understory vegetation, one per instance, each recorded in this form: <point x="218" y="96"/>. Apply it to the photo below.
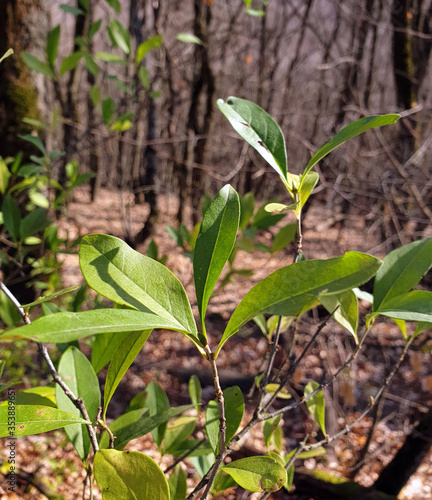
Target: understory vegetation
<point x="88" y="337"/>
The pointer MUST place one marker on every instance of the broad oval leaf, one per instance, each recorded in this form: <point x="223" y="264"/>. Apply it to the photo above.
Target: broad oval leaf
<point x="67" y="327"/>
<point x="316" y="404"/>
<point x="188" y="38"/>
<point x="288" y="291"/>
<point x="123" y="357"/>
<point x="411" y="306"/>
<point x="401" y="270"/>
<point x="259" y="130"/>
<point x="35" y="419"/>
<point x="308" y="182"/>
<point x="75" y="369"/>
<point x="129" y="474"/>
<point x="214" y="244"/>
<point x="348" y="132"/>
<point x="258" y="473"/>
<point x="116" y="271"/>
<point x="177" y="432"/>
<point x="157" y="402"/>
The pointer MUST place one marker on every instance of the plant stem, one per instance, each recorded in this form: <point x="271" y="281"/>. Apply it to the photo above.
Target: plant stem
<point x="78" y="402"/>
<point x="222" y="422"/>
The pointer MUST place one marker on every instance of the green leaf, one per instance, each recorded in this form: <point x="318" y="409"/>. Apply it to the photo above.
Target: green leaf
<point x="247" y="207"/>
<point x="75" y="369"/>
<point x="12" y="217"/>
<point x="69" y="326"/>
<point x="108" y="110"/>
<point x="255" y="12"/>
<point x="188" y="38"/>
<point x="112" y="58"/>
<point x="259" y="130"/>
<point x="71" y="62"/>
<point x="115" y="4"/>
<point x="120" y="35"/>
<point x="421" y="327"/>
<point x="152" y="43"/>
<point x="273" y="433"/>
<point x="8" y="53"/>
<point x="284" y="237"/>
<point x="125" y="276"/>
<point x="263" y="219"/>
<point x="308" y="182"/>
<point x="177" y="484"/>
<point x="90" y="64"/>
<point x="34" y="222"/>
<point x="282" y="392"/>
<point x="289" y="290"/>
<point x="123" y="357"/>
<point x="41" y="396"/>
<point x="234" y="409"/>
<point x="71" y="9"/>
<point x="348" y="132"/>
<point x="316" y="404"/>
<point x="4" y="176"/>
<point x="94" y="28"/>
<point x="347" y="310"/>
<point x="129" y="474"/>
<point x="137" y="423"/>
<point x="37" y="65"/>
<point x="411" y="306"/>
<point x="157" y="402"/>
<point x="178" y="431"/>
<point x="35" y="419"/>
<point x="194" y="389"/>
<point x="257" y="473"/>
<point x="279" y="207"/>
<point x="52" y="45"/>
<point x="104" y="347"/>
<point x="35" y="141"/>
<point x="41" y="300"/>
<point x="38" y="199"/>
<point x="214" y="244"/>
<point x="401" y="270"/>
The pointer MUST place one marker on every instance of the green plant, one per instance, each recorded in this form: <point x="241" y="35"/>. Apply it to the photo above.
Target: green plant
<point x="148" y="297"/>
<point x="253" y="223"/>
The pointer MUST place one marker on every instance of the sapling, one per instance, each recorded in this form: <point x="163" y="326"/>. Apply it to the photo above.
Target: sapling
<point x="147" y="297"/>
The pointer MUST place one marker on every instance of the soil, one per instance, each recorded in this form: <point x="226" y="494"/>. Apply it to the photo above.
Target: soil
<point x="169" y="359"/>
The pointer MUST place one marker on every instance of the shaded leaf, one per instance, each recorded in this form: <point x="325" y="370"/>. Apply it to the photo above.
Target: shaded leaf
<point x="346" y="313"/>
<point x="12" y="217"/>
<point x="316" y="404"/>
<point x="177" y="484"/>
<point x="104" y="347"/>
<point x="137" y="423"/>
<point x="123" y="357"/>
<point x="70" y="62"/>
<point x="37" y="65"/>
<point x="75" y="369"/>
<point x="411" y="306"/>
<point x="52" y="45"/>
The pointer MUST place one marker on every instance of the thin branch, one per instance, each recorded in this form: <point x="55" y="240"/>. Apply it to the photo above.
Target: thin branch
<point x="78" y="402"/>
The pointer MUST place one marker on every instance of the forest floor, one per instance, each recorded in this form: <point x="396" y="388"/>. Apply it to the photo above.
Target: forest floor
<point x="170" y="359"/>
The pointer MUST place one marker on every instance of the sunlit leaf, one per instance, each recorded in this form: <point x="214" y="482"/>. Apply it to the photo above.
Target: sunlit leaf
<point x="129" y="474"/>
<point x="257" y="473"/>
<point x="214" y="244"/>
<point x="259" y="130"/>
<point x="35" y="419"/>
